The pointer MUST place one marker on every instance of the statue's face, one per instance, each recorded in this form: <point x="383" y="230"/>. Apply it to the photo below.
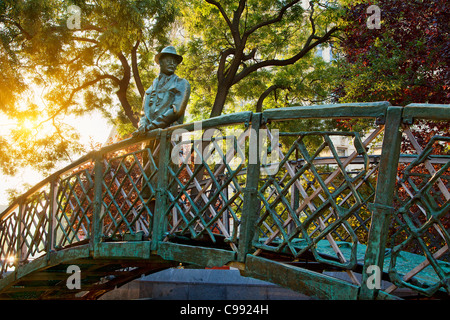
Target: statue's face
<point x="168" y="64"/>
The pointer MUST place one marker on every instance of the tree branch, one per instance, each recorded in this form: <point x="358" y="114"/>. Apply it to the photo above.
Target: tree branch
<point x="84" y="39"/>
<point x="264" y="95"/>
<point x="249" y="56"/>
<point x="66" y="103"/>
<point x="271" y="21"/>
<point x="223" y="58"/>
<point x="126" y="68"/>
<point x="234" y="26"/>
<point x="313" y="25"/>
<point x="89" y="27"/>
<point x="122" y="92"/>
<point x="90" y="83"/>
<point x="236" y="18"/>
<point x="222" y="12"/>
<point x="5" y="19"/>
<point x="134" y="66"/>
<point x="274" y="62"/>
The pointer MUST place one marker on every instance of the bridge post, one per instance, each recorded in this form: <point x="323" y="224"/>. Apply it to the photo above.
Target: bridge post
<point x="161" y="203"/>
<point x="250" y="210"/>
<point x="51" y="217"/>
<point x="19" y="234"/>
<point x="382" y="206"/>
<point x="97" y="228"/>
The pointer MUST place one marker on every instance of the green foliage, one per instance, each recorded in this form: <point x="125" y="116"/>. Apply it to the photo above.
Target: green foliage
<point x="52" y="71"/>
<point x="227" y="43"/>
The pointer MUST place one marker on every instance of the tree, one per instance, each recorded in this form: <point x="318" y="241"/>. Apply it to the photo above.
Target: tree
<point x="230" y="41"/>
<point x="405" y="61"/>
<point x="99" y="65"/>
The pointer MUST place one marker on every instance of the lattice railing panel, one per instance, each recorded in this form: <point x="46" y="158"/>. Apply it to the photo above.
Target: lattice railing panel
<point x="74" y="203"/>
<point x="8" y="242"/>
<point x="206" y="190"/>
<point x="129" y="188"/>
<point x="34" y="225"/>
<point x="421" y="220"/>
<point x="305" y="202"/>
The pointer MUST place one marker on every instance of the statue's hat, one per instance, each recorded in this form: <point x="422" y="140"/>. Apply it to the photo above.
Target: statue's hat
<point x="170" y="50"/>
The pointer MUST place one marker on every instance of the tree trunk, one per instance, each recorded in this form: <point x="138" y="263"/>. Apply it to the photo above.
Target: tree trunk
<point x="133" y="117"/>
<point x="219" y="101"/>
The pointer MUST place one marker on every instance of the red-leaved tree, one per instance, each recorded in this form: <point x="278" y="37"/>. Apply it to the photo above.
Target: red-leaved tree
<point x="405" y="60"/>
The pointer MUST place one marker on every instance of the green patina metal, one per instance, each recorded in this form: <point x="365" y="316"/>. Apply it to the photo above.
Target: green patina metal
<point x="312" y="214"/>
<point x="384" y="197"/>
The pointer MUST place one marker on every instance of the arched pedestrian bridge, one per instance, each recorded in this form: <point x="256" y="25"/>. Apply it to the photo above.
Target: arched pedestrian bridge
<point x="256" y="191"/>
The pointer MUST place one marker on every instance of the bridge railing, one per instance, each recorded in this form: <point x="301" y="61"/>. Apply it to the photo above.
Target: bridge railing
<point x="262" y="184"/>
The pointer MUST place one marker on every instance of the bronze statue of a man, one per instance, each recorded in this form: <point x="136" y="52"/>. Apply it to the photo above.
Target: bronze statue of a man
<point x="166" y="99"/>
<point x="164" y="104"/>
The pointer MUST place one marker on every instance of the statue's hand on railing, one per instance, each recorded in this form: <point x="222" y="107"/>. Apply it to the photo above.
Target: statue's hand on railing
<point x="143" y="129"/>
<point x="140" y="131"/>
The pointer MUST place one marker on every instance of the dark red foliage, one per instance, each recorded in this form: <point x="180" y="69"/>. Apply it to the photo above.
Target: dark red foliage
<point x="420" y="30"/>
<point x="414" y="37"/>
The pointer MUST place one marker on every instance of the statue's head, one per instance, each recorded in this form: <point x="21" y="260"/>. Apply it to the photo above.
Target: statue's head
<point x="168" y="60"/>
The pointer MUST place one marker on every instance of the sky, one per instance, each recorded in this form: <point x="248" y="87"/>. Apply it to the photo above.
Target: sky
<point x="93" y="127"/>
